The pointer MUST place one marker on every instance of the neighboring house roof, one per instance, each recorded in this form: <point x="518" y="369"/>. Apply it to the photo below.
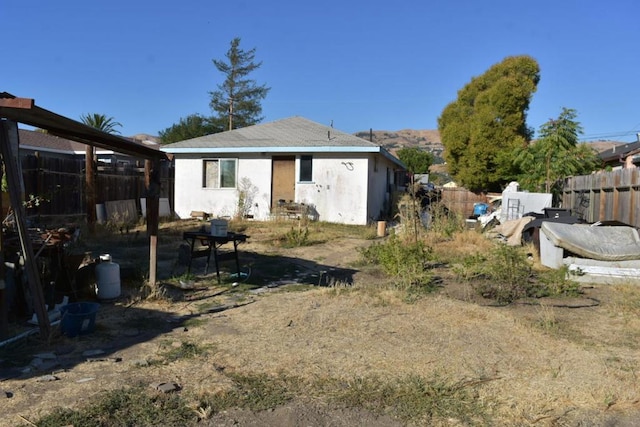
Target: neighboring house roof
<point x="24" y="110"/>
<point x="41" y="141"/>
<point x="294" y="134"/>
<point x="619" y="152"/>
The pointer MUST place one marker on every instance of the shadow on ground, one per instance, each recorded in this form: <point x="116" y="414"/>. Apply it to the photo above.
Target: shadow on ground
<point x="121" y="324"/>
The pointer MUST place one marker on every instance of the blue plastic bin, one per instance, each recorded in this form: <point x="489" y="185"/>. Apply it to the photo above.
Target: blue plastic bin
<point x="480" y="209"/>
<point x="78" y="318"/>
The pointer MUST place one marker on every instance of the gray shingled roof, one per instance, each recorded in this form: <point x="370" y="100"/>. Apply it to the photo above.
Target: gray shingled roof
<point x="44" y="141"/>
<point x="294" y="132"/>
<point x="619" y="151"/>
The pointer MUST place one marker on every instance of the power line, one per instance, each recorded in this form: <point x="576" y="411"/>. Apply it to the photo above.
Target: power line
<point x="608" y="135"/>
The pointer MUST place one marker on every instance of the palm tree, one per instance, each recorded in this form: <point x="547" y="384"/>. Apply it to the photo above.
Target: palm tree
<point x="101" y="122"/>
<point x="105" y="124"/>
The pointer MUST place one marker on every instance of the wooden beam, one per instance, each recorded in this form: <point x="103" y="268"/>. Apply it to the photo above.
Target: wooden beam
<point x="23" y="103"/>
<point x="4" y="308"/>
<point x="9" y="142"/>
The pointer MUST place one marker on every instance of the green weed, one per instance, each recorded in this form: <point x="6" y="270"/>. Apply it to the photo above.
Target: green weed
<point x="254" y="392"/>
<point x="557" y="282"/>
<point x="124" y="407"/>
<point x="413" y="398"/>
<point x="502" y="274"/>
<point x="186" y="350"/>
<point x="296" y="237"/>
<point x="445" y="222"/>
<point x="402" y="261"/>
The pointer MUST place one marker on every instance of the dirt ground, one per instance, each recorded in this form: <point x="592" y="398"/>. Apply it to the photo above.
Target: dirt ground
<point x="563" y="362"/>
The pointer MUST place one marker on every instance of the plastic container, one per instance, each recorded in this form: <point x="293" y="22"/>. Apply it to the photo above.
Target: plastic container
<point x="78" y="318"/>
<point x="480" y="209"/>
<point x="219" y="227"/>
<point x="107" y="278"/>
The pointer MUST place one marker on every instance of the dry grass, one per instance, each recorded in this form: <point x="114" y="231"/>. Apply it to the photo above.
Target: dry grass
<point x="532" y="374"/>
<point x="458" y="246"/>
<point x="524" y="365"/>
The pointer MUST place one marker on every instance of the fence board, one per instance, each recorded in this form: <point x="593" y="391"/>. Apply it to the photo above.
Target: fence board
<point x="605" y="196"/>
<point x="461" y="200"/>
<point x="62" y="182"/>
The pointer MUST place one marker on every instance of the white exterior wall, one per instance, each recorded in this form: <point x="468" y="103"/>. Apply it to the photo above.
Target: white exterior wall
<point x="381" y="179"/>
<point x="221" y="202"/>
<point x="338" y="189"/>
<point x="344" y="189"/>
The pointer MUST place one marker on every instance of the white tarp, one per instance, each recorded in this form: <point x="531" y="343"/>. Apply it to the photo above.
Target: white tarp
<point x="517" y="203"/>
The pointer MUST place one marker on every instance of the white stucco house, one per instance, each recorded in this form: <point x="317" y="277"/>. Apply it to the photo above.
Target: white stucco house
<point x="255" y="171"/>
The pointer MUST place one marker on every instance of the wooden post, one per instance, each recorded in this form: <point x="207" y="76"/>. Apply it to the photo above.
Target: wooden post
<point x="631" y="219"/>
<point x="4" y="308"/>
<point x="152" y="190"/>
<point x="10" y="155"/>
<point x="90" y="194"/>
<point x="603" y="199"/>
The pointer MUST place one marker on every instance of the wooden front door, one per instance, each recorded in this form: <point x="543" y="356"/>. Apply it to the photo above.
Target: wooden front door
<point x="283" y="180"/>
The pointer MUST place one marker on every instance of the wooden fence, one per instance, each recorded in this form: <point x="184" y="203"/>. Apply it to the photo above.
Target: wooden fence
<point x="605" y="196"/>
<point x="461" y="200"/>
<point x="61" y="183"/>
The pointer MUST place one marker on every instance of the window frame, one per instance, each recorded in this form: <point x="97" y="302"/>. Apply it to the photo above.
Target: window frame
<point x="220" y="173"/>
<point x="305" y="173"/>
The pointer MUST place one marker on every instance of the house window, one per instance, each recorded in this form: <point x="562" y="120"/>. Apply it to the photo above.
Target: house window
<point x="306" y="168"/>
<point x="219" y="173"/>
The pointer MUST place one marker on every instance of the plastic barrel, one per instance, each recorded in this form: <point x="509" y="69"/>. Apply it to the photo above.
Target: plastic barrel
<point x="107" y="279"/>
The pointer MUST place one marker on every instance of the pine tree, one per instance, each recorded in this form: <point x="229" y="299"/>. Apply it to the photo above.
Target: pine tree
<point x="238" y="98"/>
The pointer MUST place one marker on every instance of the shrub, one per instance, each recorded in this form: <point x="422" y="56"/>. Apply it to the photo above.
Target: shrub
<point x="443" y="221"/>
<point x="503" y="274"/>
<point x="297" y="237"/>
<point x="557" y="282"/>
<point x="404" y="261"/>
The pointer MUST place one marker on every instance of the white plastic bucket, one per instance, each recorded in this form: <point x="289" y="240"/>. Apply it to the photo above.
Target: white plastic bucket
<point x="219" y="227"/>
<point x="107" y="278"/>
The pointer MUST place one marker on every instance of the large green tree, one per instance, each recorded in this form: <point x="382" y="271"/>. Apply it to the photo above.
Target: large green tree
<point x="555" y="155"/>
<point x="415" y="159"/>
<point x="484" y="126"/>
<point x="238" y="98"/>
<point x="189" y="127"/>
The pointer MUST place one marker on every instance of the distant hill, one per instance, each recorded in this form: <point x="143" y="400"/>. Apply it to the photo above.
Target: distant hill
<point x="430" y="140"/>
<point x="395" y="140"/>
<point x="601" y="146"/>
<point x="145" y="137"/>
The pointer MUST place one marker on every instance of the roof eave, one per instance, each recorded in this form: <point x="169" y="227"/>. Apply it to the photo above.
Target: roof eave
<point x="243" y="150"/>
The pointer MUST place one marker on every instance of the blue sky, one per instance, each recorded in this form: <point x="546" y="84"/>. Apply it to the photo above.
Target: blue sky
<point x="361" y="64"/>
